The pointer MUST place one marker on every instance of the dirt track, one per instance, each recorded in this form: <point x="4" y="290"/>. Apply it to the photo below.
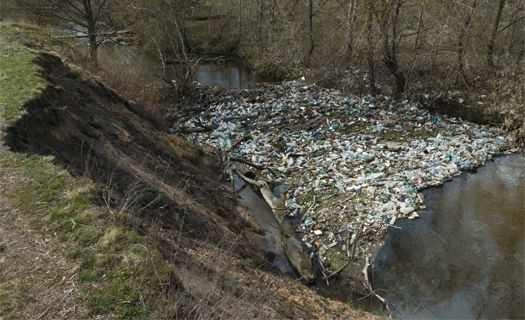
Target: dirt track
<point x="32" y="266"/>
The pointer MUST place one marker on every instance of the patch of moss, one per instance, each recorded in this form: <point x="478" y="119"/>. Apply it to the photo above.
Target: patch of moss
<point x="335" y="258"/>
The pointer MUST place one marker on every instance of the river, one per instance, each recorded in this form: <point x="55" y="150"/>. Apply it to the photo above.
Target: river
<point x="229" y="75"/>
<point x="464" y="258"/>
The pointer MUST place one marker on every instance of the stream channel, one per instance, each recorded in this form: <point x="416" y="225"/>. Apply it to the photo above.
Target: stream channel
<point x="463" y="258"/>
<point x="231" y="74"/>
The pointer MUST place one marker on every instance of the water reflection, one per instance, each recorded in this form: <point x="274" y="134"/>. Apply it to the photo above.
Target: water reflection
<point x="464" y="257"/>
<point x="232" y="75"/>
<point x="228" y="76"/>
<point x="265" y="219"/>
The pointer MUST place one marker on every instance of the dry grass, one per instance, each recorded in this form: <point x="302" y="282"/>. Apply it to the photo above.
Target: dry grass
<point x="130" y="81"/>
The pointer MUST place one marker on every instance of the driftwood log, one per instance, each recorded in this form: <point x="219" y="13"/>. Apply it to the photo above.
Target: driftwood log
<point x="293" y="246"/>
<point x="368" y="285"/>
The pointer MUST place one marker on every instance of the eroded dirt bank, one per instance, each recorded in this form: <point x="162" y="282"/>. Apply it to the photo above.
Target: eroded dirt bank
<point x="169" y="187"/>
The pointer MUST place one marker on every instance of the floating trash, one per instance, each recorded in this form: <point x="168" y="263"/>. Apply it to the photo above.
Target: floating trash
<point x="353" y="165"/>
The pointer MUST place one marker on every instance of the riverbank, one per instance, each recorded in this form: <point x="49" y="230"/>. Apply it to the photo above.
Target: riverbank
<point x="353" y="165"/>
<point x="63" y="254"/>
<point x="334" y="255"/>
<point x="134" y="214"/>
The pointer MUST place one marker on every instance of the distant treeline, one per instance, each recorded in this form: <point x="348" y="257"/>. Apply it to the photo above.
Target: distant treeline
<point x="454" y="41"/>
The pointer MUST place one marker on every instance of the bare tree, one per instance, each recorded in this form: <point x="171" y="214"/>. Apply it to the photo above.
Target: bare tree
<point x="311" y="43"/>
<point x="388" y="19"/>
<point x="165" y="22"/>
<point x="239" y="23"/>
<point x="416" y="43"/>
<point x="462" y="39"/>
<point x="260" y="16"/>
<point x="88" y="14"/>
<point x="371" y="45"/>
<point x="515" y="25"/>
<point x="493" y="35"/>
<point x="350" y="21"/>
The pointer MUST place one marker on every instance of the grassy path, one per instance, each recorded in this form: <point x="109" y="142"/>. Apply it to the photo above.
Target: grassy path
<point x="36" y="280"/>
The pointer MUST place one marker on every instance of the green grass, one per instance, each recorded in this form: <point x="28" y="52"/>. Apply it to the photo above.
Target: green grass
<point x="19" y="76"/>
<point x="119" y="274"/>
<point x="18" y="80"/>
<point x="15" y="301"/>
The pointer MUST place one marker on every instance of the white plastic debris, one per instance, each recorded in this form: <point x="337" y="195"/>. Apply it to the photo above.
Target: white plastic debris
<point x="351" y="163"/>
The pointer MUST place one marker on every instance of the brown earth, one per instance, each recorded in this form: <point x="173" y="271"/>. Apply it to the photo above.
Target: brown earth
<point x="220" y="269"/>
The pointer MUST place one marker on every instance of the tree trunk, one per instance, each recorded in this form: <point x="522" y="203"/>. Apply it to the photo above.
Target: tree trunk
<point x="493" y="35"/>
<point x="393" y="66"/>
<point x="93" y="41"/>
<point x="239" y="24"/>
<point x="461" y="42"/>
<point x="352" y="8"/>
<point x="370" y="51"/>
<point x="311" y="44"/>
<point x="93" y="47"/>
<point x="260" y="15"/>
<point x="91" y="30"/>
<point x="416" y="44"/>
<point x="390" y="47"/>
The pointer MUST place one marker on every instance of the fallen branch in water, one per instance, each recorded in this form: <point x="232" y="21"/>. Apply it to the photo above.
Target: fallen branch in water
<point x="292" y="245"/>
<point x="197" y="129"/>
<point x="246" y="137"/>
<point x="368" y="285"/>
<point x="267" y="194"/>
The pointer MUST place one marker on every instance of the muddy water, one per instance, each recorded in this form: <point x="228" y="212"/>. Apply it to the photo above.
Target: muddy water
<point x="262" y="213"/>
<point x="464" y="258"/>
<point x="230" y="75"/>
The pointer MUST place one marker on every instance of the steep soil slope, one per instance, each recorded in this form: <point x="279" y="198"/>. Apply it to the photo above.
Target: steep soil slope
<point x="92" y="131"/>
<point x="166" y="190"/>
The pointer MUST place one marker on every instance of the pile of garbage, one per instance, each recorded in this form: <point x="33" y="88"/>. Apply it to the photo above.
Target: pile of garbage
<point x="353" y="165"/>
